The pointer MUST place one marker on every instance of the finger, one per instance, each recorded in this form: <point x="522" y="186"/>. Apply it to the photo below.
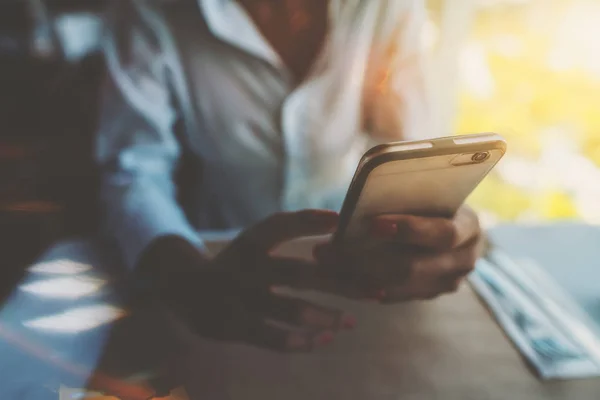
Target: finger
<point x="303" y="275"/>
<point x="385" y="263"/>
<point x="433" y="275"/>
<point x="242" y="324"/>
<point x="334" y="281"/>
<point x="455" y="263"/>
<point x="276" y="337"/>
<point x="452" y="285"/>
<point x="409" y="269"/>
<point x="390" y="264"/>
<point x="425" y="275"/>
<point x="481" y="245"/>
<point x="301" y="313"/>
<point x="334" y="259"/>
<point x="362" y="273"/>
<point x="324" y="253"/>
<point x="285" y="226"/>
<point x="293" y="272"/>
<point x="434" y="233"/>
<point x="448" y="286"/>
<point x="466" y="224"/>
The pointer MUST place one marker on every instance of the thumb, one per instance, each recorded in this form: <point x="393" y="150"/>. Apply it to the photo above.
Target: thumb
<point x="285" y="226"/>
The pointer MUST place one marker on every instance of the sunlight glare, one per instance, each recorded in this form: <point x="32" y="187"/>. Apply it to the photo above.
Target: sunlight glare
<point x="65" y="288"/>
<point x="60" y="267"/>
<point x="78" y="319"/>
<point x="577" y="40"/>
<point x="475" y="71"/>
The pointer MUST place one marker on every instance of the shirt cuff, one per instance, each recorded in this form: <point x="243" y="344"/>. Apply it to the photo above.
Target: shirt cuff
<point x="146" y="225"/>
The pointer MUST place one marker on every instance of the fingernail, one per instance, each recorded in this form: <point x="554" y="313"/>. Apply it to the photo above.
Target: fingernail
<point x="348" y="322"/>
<point x="384" y="228"/>
<point x="324" y="338"/>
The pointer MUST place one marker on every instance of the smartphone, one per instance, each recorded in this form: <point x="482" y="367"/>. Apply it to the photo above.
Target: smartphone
<point x="427" y="177"/>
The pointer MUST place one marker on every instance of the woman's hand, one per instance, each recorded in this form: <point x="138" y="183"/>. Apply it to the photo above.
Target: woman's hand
<point x="419" y="257"/>
<point x="233" y="297"/>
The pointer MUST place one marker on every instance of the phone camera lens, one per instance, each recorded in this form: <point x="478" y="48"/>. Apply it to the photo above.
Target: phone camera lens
<point x="480" y="157"/>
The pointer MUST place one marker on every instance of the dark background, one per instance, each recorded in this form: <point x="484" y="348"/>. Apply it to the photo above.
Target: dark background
<point x="48" y="111"/>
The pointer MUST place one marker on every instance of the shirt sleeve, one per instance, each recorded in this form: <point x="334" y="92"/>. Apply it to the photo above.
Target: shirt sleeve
<point x="397" y="102"/>
<point x="136" y="148"/>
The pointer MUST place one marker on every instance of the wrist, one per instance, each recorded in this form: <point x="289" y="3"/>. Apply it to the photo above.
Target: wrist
<point x="168" y="263"/>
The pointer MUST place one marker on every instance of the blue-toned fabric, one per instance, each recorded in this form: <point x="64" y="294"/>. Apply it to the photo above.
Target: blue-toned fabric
<point x="261" y="142"/>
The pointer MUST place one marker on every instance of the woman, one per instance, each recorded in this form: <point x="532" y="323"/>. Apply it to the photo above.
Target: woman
<point x="278" y="100"/>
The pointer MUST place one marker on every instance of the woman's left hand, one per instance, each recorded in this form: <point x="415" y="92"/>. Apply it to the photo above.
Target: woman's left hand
<point x="418" y="258"/>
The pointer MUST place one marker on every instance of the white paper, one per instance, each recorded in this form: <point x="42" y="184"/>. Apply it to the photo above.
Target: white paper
<point x="547" y="330"/>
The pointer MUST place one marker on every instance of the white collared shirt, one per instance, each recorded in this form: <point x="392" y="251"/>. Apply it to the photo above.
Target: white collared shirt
<point x="265" y="143"/>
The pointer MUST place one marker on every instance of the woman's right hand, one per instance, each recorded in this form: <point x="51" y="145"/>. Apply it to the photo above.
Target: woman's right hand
<point x="234" y="297"/>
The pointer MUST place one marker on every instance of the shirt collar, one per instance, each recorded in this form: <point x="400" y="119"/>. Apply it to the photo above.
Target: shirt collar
<point x="227" y="20"/>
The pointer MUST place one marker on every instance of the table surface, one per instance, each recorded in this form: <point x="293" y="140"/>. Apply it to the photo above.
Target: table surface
<point x="449" y="348"/>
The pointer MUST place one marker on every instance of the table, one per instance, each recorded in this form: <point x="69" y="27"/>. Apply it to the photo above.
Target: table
<point x="449" y="348"/>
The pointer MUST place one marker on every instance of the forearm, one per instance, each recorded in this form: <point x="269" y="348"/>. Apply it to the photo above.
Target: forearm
<point x="139" y="208"/>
